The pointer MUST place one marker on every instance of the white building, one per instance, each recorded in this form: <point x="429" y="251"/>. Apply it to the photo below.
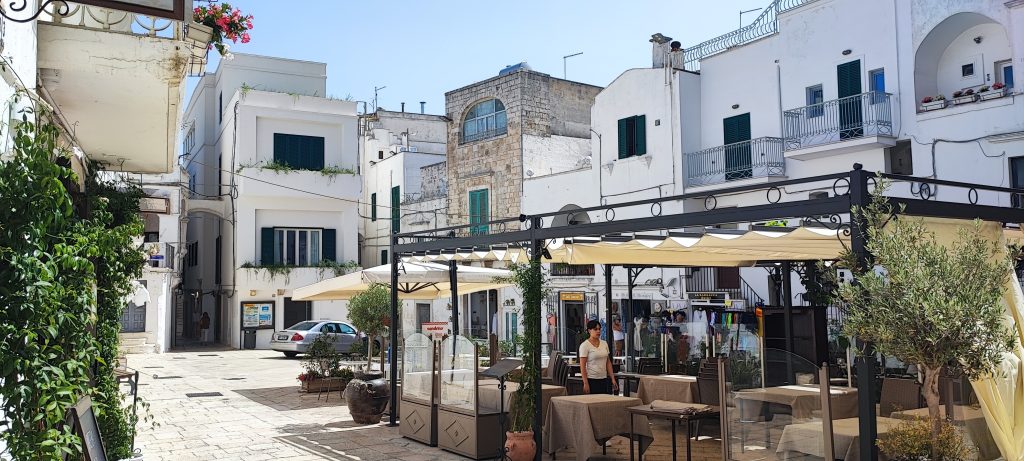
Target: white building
<point x="404" y="190"/>
<point x="274" y="206"/>
<point x="807" y="89"/>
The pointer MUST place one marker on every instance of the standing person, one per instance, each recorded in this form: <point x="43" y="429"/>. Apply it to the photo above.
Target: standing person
<point x="204" y="327"/>
<point x="598" y="376"/>
<point x="618" y="336"/>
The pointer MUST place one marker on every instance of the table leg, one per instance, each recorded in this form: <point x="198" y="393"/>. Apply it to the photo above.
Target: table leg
<point x="674" y="454"/>
<point x="631" y="437"/>
<point x="688" y="435"/>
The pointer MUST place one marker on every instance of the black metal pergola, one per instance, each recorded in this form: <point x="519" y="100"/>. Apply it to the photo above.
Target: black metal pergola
<point x="851" y="190"/>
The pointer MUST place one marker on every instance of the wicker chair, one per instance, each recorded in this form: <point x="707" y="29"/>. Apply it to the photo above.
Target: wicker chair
<point x="899" y="394"/>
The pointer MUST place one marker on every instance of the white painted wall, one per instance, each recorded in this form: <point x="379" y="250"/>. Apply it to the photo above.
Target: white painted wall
<point x="545" y="155"/>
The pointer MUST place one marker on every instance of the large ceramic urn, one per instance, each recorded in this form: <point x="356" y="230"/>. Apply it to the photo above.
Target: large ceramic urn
<point x="367" y="395"/>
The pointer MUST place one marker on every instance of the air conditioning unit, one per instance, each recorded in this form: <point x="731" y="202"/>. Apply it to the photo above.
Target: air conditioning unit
<point x="405" y="149"/>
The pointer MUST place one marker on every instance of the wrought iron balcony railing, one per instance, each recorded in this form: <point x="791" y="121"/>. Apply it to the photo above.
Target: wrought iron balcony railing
<point x="767" y="23"/>
<point x="572" y="270"/>
<point x="197" y="36"/>
<point x="757" y="158"/>
<point x="865" y="114"/>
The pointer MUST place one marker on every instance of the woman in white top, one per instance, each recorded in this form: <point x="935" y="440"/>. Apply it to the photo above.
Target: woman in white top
<point x="598" y="376"/>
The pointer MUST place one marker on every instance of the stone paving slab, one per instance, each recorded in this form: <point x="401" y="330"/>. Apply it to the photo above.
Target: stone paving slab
<point x="265" y="417"/>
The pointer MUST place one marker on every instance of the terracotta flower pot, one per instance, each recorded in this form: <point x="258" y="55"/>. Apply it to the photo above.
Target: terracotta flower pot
<point x="367" y="395"/>
<point x="520" y="446"/>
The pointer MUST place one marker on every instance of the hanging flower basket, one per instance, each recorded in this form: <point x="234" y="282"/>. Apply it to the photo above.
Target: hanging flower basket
<point x="226" y="23"/>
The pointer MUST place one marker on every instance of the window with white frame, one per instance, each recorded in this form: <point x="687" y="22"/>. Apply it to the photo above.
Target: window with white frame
<point x="297" y="247"/>
<point x="876" y="83"/>
<point x="1004" y="73"/>
<point x="815" y="96"/>
<point x="484" y="120"/>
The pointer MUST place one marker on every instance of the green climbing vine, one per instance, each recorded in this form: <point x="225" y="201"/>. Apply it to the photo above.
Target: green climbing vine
<point x="69" y="260"/>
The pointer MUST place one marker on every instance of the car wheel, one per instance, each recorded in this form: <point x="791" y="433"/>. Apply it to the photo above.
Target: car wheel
<point x="291" y="355"/>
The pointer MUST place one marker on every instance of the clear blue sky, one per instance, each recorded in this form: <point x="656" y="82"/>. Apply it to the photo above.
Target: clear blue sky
<point x="421" y="49"/>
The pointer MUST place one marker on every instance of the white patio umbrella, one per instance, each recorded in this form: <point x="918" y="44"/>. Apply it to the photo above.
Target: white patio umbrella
<point x="416" y="280"/>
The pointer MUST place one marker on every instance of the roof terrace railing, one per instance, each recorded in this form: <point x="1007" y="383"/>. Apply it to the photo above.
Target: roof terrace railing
<point x="767" y="23"/>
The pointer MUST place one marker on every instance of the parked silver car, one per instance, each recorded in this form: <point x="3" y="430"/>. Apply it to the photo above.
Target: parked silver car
<point x="297" y="338"/>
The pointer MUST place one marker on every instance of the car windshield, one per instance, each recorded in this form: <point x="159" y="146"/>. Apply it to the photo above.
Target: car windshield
<point x="303" y="326"/>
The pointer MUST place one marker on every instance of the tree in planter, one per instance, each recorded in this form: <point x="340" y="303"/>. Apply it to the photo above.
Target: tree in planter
<point x="529" y="278"/>
<point x="931" y="305"/>
<point x="370" y="312"/>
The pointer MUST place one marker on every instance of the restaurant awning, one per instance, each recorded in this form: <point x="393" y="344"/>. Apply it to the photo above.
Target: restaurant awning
<point x="416" y="280"/>
<point x="714" y="247"/>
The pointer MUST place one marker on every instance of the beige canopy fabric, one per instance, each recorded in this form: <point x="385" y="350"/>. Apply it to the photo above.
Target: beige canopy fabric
<point x="416" y="280"/>
<point x="737" y="249"/>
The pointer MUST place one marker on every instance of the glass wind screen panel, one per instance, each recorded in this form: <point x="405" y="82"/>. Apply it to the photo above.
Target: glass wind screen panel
<point x="458" y="373"/>
<point x="417" y="367"/>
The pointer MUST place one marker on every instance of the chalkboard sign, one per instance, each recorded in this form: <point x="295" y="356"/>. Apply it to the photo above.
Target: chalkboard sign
<point x="85" y="425"/>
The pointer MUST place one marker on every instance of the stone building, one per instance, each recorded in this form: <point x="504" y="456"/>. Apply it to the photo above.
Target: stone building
<point x="519" y="124"/>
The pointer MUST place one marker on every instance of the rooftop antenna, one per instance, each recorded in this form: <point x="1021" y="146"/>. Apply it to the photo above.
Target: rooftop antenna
<point x="564" y="59"/>
<point x="375" y="90"/>
<point x="742" y="12"/>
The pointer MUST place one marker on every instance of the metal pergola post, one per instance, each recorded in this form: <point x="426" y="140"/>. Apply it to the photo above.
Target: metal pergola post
<point x="537" y="248"/>
<point x="395" y="307"/>
<point x="867" y="423"/>
<point x="453" y="281"/>
<point x="787" y="304"/>
<point x="632" y="273"/>
<point x="608" y="311"/>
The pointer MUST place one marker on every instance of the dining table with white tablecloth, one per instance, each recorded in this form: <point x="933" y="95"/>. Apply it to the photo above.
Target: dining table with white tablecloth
<point x="581" y="422"/>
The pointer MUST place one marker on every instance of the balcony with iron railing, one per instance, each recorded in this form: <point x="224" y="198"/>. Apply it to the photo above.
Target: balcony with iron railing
<point x="757" y="158"/>
<point x="767" y="23"/>
<point x="865" y="115"/>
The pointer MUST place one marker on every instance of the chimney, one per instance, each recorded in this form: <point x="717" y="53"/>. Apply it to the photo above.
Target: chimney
<point x="659" y="49"/>
<point x="423" y="107"/>
<point x="403" y="107"/>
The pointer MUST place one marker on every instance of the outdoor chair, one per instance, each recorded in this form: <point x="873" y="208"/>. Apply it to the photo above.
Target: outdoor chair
<point x="899" y="394"/>
<point x="549" y="375"/>
<point x="707" y="394"/>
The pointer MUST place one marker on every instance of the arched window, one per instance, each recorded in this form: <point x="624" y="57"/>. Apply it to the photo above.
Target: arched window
<point x="484" y="120"/>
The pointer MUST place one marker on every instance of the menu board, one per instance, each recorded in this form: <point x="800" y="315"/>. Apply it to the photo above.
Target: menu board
<point x="258" y="314"/>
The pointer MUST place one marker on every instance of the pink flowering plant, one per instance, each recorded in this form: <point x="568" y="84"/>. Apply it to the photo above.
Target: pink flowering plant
<point x="226" y="22"/>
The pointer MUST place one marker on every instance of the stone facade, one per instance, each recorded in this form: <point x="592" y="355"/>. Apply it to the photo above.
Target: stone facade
<point x="537" y="106"/>
<point x="435" y="180"/>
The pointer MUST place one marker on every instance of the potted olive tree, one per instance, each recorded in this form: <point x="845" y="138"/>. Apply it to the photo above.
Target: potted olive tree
<point x="520" y="444"/>
<point x="367" y="393"/>
<point x="928" y="303"/>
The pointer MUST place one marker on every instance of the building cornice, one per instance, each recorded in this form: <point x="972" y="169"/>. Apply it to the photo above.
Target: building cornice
<point x="1014" y="3"/>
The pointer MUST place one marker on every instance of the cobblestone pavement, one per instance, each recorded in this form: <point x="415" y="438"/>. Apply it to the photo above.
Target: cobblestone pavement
<point x="261" y="415"/>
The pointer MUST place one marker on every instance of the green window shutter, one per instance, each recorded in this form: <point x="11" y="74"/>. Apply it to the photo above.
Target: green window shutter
<point x="625" y="136"/>
<point x="396" y="212"/>
<point x="384" y="257"/>
<point x="848" y="79"/>
<point x="479" y="211"/>
<point x="316" y="153"/>
<point x="640" y="135"/>
<point x="373" y="206"/>
<point x="736" y="129"/>
<point x="330" y="245"/>
<point x="299" y="152"/>
<point x="267" y="245"/>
